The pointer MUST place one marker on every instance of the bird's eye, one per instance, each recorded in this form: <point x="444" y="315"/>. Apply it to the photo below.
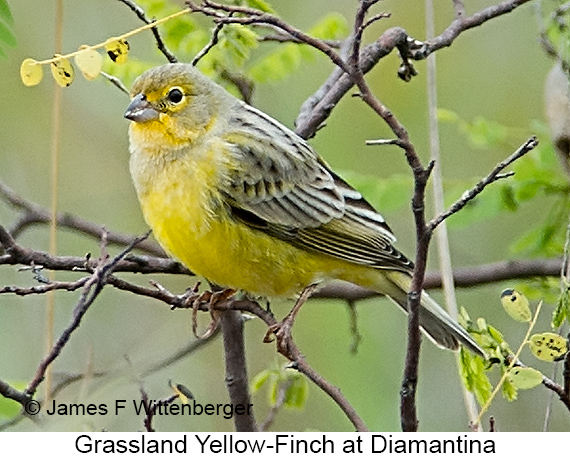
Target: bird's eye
<point x="175" y="95"/>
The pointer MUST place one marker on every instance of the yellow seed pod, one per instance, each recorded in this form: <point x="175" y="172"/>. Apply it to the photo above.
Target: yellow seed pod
<point x="525" y="377"/>
<point x="516" y="305"/>
<point x="31" y="72"/>
<point x="117" y="50"/>
<point x="62" y="71"/>
<point x="89" y="62"/>
<point x="548" y="346"/>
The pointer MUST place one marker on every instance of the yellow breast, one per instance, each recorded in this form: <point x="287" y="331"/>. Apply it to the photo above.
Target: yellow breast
<point x="180" y="197"/>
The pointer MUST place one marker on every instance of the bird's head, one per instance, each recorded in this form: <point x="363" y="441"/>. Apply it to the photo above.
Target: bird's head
<point x="173" y="104"/>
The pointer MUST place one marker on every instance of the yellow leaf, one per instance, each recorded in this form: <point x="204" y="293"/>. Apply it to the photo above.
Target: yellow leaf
<point x="525" y="377"/>
<point x="516" y="305"/>
<point x="117" y="50"/>
<point x="548" y="346"/>
<point x="30" y="72"/>
<point x="182" y="391"/>
<point x="62" y="71"/>
<point x="89" y="62"/>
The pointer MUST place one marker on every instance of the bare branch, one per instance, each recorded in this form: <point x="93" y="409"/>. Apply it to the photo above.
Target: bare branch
<point x="213" y="42"/>
<point x="237" y="381"/>
<point x="37" y="214"/>
<point x="91" y="290"/>
<point x="461" y="24"/>
<point x="317" y="108"/>
<point x="558" y="390"/>
<point x="115" y="81"/>
<point x="493" y="176"/>
<point x="253" y="16"/>
<point x="459" y="8"/>
<point x="7" y="391"/>
<point x="52" y="285"/>
<point x="280" y="37"/>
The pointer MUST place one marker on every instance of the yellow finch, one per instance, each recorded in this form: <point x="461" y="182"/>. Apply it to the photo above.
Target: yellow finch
<point x="243" y="201"/>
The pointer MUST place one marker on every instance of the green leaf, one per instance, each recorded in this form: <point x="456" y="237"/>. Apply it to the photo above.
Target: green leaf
<point x="8" y="407"/>
<point x="330" y="27"/>
<point x="287" y="58"/>
<point x="473" y="373"/>
<point x="5" y="13"/>
<point x="543" y="240"/>
<point x="273" y="390"/>
<point x="516" y="305"/>
<point x="260" y="5"/>
<point x="261" y="378"/>
<point x="6" y="35"/>
<point x="278" y="65"/>
<point x="548" y="346"/>
<point x="236" y="43"/>
<point x="562" y="310"/>
<point x="510" y="391"/>
<point x="484" y="133"/>
<point x="297" y="391"/>
<point x="447" y="115"/>
<point x="525" y="377"/>
<point x="508" y="197"/>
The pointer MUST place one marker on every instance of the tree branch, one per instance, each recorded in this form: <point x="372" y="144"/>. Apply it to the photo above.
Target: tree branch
<point x="493" y="176"/>
<point x="237" y="381"/>
<point x="462" y="23"/>
<point x="160" y="43"/>
<point x="91" y="290"/>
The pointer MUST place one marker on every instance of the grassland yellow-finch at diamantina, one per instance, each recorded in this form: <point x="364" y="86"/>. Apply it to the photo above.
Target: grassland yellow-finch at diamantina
<point x="245" y="202"/>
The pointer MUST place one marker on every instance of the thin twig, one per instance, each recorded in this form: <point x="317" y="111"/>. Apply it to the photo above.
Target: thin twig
<point x="514" y="360"/>
<point x="495" y="174"/>
<point x="70" y="286"/>
<point x="91" y="290"/>
<point x="115" y="81"/>
<point x="461" y="24"/>
<point x="279" y="401"/>
<point x="459" y="8"/>
<point x="213" y="42"/>
<point x="251" y="16"/>
<point x="159" y="41"/>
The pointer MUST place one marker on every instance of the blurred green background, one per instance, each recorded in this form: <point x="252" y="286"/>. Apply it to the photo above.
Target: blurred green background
<point x="496" y="71"/>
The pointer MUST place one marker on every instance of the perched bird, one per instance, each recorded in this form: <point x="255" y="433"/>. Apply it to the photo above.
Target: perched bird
<point x="245" y="202"/>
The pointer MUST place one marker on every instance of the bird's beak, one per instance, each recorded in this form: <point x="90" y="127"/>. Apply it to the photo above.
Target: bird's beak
<point x="140" y="110"/>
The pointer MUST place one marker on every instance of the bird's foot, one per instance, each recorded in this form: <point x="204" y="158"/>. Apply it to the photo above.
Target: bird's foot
<point x="282" y="330"/>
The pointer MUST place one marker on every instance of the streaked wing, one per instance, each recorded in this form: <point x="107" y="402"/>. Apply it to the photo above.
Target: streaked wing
<point x="286" y="190"/>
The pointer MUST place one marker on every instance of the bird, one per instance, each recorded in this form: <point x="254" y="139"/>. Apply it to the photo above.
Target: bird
<point x="246" y="203"/>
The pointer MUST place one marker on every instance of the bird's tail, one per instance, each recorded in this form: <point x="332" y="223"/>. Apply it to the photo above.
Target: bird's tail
<point x="435" y="322"/>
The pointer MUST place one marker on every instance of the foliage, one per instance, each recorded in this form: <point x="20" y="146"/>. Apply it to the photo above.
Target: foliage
<point x="547" y="346"/>
<point x="291" y="385"/>
<point x="7" y="38"/>
<point x="287" y="59"/>
<point x="555" y="25"/>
